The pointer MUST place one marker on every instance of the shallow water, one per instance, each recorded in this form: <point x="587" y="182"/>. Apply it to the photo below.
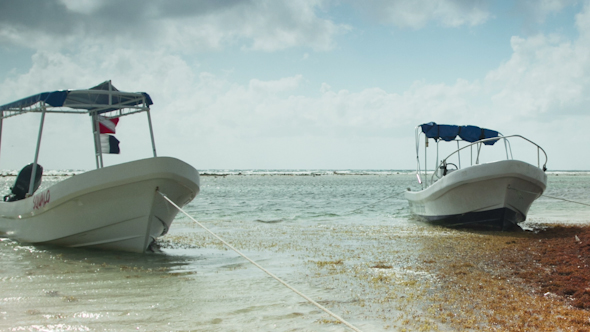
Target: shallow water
<point x="346" y="241"/>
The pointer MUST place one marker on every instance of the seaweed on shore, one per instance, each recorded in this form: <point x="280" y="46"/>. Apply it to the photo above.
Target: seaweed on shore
<point x="555" y="260"/>
<point x="511" y="281"/>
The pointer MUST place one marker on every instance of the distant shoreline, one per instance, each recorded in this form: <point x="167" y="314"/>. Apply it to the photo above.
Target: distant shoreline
<point x="287" y="172"/>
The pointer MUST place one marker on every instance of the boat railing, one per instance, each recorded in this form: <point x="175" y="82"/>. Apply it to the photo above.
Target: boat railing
<point x="442" y="166"/>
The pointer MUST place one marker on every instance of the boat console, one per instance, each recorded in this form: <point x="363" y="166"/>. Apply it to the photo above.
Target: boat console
<point x="23" y="182"/>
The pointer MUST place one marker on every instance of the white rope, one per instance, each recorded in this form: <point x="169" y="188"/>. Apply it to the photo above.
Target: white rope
<point x="558" y="198"/>
<point x="567" y="200"/>
<point x="374" y="203"/>
<point x="263" y="269"/>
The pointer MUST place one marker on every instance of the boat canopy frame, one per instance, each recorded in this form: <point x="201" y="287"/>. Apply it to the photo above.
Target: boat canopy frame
<point x="453" y="133"/>
<point x="101" y="100"/>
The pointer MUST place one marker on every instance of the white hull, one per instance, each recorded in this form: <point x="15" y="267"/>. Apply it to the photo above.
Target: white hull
<point x="115" y="208"/>
<point x="497" y="195"/>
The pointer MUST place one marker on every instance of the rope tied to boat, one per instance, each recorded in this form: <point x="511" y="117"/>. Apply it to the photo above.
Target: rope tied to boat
<point x="260" y="267"/>
<point x="372" y="204"/>
<point x="548" y="196"/>
<point x="566" y="200"/>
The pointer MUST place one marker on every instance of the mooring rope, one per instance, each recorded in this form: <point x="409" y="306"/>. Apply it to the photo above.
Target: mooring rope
<point x="366" y="206"/>
<point x="548" y="196"/>
<point x="567" y="200"/>
<point x="261" y="268"/>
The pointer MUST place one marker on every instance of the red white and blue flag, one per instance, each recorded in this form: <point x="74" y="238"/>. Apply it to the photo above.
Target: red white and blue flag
<point x="107" y="125"/>
<point x="108" y="143"/>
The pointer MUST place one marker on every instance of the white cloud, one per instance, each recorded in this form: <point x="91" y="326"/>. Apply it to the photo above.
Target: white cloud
<point x="416" y="14"/>
<point x="201" y="115"/>
<point x="212" y="121"/>
<point x="546" y="77"/>
<point x="583" y="23"/>
<point x="184" y="26"/>
<point x="82" y="6"/>
<point x="538" y="10"/>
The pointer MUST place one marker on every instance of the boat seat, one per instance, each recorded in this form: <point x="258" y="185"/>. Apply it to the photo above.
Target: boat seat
<point x="22" y="183"/>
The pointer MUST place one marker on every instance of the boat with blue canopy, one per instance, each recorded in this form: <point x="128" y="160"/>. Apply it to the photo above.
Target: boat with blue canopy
<point x="462" y="191"/>
<point x="118" y="207"/>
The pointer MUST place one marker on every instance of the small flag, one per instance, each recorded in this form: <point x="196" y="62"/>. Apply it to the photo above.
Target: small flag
<point x="109" y="144"/>
<point x="107" y="125"/>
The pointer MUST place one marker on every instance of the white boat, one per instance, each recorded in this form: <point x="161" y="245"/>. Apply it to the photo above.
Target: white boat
<point x="118" y="207"/>
<point x="496" y="195"/>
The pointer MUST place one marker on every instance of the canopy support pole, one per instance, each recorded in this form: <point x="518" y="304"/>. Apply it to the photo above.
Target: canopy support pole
<point x="1" y="121"/>
<point x="478" y="151"/>
<point x="110" y="93"/>
<point x="459" y="154"/>
<point x="506" y="148"/>
<point x="97" y="145"/>
<point x="426" y="160"/>
<point x="437" y="161"/>
<point x="151" y="132"/>
<point x="34" y="171"/>
<point x="418" y="169"/>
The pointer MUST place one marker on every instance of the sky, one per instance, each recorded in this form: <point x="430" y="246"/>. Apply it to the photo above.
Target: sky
<point x="301" y="84"/>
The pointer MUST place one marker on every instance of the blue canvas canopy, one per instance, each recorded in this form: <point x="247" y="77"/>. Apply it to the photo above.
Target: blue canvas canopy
<point x="101" y="98"/>
<point x="450" y="132"/>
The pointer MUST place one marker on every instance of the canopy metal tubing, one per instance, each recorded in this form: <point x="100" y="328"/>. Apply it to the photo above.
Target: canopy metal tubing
<point x="478" y="144"/>
<point x="97" y="144"/>
<point x="458" y="155"/>
<point x="34" y="171"/>
<point x="426" y="161"/>
<point x="508" y="147"/>
<point x="151" y="131"/>
<point x="1" y="121"/>
<point x="436" y="161"/>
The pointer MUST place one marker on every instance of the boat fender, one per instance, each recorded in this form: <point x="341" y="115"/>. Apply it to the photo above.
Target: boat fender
<point x="22" y="183"/>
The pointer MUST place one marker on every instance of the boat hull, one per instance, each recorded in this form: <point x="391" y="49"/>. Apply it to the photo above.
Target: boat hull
<point x="495" y="196"/>
<point x="115" y="208"/>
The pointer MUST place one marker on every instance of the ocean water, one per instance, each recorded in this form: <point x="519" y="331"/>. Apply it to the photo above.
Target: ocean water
<point x="331" y="235"/>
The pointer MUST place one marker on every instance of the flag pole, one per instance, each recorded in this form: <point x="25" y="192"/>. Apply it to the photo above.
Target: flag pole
<point x="97" y="147"/>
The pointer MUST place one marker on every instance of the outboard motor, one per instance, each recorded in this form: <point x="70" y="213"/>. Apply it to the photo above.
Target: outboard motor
<point x="22" y="183"/>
